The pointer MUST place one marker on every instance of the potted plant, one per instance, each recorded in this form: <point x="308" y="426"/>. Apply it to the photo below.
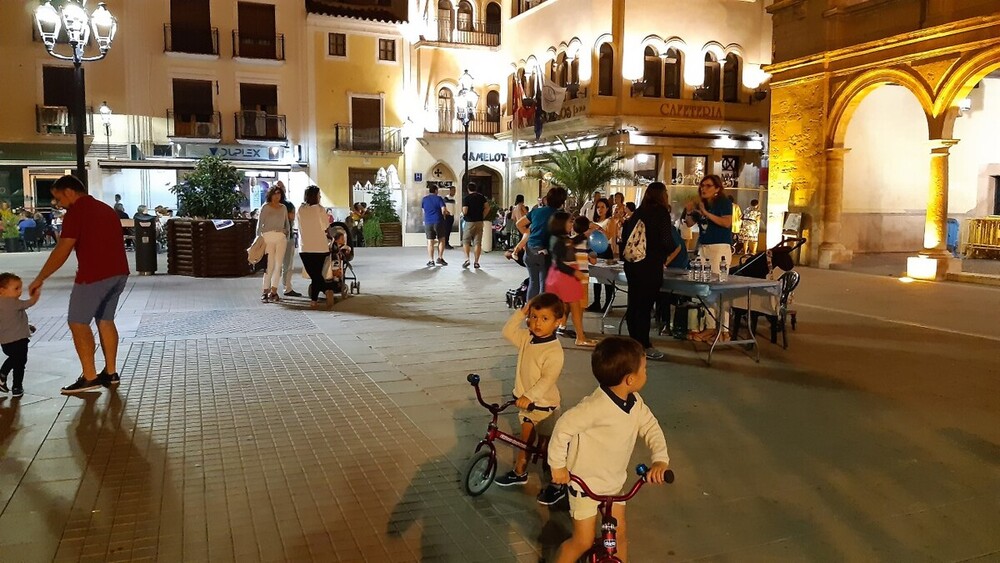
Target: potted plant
<point x="382" y="225"/>
<point x="495" y="211"/>
<point x="11" y="234"/>
<point x="581" y="170"/>
<point x="209" y="241"/>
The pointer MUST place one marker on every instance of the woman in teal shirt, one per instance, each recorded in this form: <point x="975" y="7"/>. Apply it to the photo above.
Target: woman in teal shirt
<point x="716" y="240"/>
<point x="534" y="228"/>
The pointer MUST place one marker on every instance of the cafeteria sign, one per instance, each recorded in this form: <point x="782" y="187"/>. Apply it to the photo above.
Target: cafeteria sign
<point x="683" y="110"/>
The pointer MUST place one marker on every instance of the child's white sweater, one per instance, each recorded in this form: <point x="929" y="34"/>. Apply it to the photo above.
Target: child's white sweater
<point x="538" y="364"/>
<point x="595" y="439"/>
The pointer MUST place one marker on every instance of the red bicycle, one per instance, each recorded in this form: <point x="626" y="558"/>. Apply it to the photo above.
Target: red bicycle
<point x="606" y="545"/>
<point x="481" y="469"/>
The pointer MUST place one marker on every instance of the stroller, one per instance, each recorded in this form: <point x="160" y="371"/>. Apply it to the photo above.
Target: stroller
<point x="518" y="296"/>
<point x="349" y="278"/>
<point x="762" y="265"/>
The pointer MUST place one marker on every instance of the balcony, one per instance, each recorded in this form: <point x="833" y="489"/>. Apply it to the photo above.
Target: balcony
<point x="522" y="6"/>
<point x="206" y="127"/>
<point x="375" y="139"/>
<point x="263" y="48"/>
<point x="483" y="123"/>
<point x="58" y="120"/>
<point x="260" y="126"/>
<point x="192" y="41"/>
<point x="486" y="34"/>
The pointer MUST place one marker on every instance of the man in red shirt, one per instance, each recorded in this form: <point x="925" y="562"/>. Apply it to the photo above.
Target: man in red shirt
<point x="93" y="229"/>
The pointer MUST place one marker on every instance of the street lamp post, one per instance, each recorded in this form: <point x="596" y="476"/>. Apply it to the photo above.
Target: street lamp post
<point x="106" y="120"/>
<point x="72" y="17"/>
<point x="468" y="100"/>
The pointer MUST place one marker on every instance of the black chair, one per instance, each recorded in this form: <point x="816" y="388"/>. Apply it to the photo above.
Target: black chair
<point x="789" y="281"/>
<point x="31" y="237"/>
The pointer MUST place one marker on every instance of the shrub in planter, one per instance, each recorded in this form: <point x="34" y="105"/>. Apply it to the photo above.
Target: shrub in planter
<point x="11" y="234"/>
<point x="382" y="221"/>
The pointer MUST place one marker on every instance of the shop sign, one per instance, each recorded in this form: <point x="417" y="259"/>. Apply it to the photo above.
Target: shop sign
<point x="486" y="157"/>
<point x="573" y="108"/>
<point x="234" y="152"/>
<point x="682" y="110"/>
<point x="418" y="176"/>
<point x="38" y="151"/>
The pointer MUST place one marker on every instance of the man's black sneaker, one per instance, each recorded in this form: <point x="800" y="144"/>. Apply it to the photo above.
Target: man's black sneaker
<point x="566" y="332"/>
<point x="16" y="392"/>
<point x="551" y="494"/>
<point x="83" y="386"/>
<point x="292" y="293"/>
<point x="512" y="478"/>
<point x="109" y="379"/>
<point x="441" y="262"/>
<point x="430" y="264"/>
<point x="594" y="308"/>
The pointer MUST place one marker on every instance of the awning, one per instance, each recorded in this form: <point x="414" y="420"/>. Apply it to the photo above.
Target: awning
<point x="190" y="163"/>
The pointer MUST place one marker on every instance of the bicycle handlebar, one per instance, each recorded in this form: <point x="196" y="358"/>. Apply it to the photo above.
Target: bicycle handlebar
<point x="494" y="408"/>
<point x="640" y="470"/>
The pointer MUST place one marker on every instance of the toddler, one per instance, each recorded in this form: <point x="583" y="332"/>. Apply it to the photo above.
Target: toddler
<point x="14" y="331"/>
<point x="594" y="440"/>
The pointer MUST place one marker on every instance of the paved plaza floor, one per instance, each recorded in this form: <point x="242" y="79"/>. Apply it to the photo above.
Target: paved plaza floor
<point x="250" y="432"/>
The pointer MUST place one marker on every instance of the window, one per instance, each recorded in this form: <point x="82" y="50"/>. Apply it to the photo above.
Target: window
<point x="651" y="74"/>
<point x="338" y="45"/>
<point x="256" y="38"/>
<point x="366" y="123"/>
<point x="493" y="18"/>
<point x="194" y="110"/>
<point x="731" y="79"/>
<point x="493" y="106"/>
<point x="387" y="50"/>
<point x="191" y="28"/>
<point x="465" y="16"/>
<point x="730" y="171"/>
<point x="709" y="90"/>
<point x="561" y="70"/>
<point x="606" y="71"/>
<point x="446" y="110"/>
<point x="58" y="85"/>
<point x="672" y="74"/>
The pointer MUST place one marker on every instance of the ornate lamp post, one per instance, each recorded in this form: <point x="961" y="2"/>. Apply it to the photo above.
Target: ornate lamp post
<point x="78" y="25"/>
<point x="468" y="100"/>
<point x="106" y="120"/>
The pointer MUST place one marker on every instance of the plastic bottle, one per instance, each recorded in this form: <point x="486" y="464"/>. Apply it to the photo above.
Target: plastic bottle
<point x="703" y="268"/>
<point x="723" y="270"/>
<point x="690" y="270"/>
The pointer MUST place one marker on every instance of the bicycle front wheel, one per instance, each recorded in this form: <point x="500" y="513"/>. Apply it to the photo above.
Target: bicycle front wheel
<point x="479" y="473"/>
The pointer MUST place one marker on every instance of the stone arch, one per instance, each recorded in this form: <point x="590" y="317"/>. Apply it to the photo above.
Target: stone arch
<point x="958" y="84"/>
<point x="846" y="99"/>
<point x="440" y="171"/>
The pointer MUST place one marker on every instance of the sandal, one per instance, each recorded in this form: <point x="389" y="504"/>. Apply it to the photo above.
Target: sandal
<point x="264" y="298"/>
<point x="590" y="343"/>
<point x="476" y="265"/>
<point x="273" y="297"/>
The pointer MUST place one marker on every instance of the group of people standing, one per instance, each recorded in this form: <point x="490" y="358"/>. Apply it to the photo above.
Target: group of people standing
<point x="439" y="219"/>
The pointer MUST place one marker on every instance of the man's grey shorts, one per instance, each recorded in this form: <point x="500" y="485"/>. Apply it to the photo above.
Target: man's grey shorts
<point x="473" y="234"/>
<point x="98" y="300"/>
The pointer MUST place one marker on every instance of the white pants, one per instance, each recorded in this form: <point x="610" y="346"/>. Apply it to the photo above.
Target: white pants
<point x="714" y="254"/>
<point x="276" y="242"/>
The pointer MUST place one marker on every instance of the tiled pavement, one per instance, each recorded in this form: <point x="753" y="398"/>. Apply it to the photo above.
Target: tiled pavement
<point x="245" y="432"/>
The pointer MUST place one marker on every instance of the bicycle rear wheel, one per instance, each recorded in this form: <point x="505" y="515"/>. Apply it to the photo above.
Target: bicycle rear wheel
<point x="479" y="473"/>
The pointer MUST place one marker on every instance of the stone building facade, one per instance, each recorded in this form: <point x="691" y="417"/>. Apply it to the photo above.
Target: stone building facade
<point x="828" y="56"/>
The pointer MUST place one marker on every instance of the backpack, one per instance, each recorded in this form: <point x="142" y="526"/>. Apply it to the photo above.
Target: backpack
<point x="635" y="246"/>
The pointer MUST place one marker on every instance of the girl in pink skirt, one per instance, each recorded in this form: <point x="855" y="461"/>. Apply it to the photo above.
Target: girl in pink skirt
<point x="564" y="278"/>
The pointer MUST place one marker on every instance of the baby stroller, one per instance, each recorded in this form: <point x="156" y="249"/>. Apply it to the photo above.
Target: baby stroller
<point x="349" y="278"/>
<point x="762" y="265"/>
<point x="518" y="296"/>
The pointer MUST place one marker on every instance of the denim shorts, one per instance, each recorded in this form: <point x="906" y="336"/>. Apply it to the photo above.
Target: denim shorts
<point x="98" y="300"/>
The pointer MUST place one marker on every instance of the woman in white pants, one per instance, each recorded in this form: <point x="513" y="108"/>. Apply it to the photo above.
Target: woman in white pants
<point x="716" y="242"/>
<point x="272" y="225"/>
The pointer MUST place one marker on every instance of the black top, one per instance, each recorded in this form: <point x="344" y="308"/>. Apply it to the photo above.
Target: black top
<point x="563" y="254"/>
<point x="476" y="203"/>
<point x="659" y="239"/>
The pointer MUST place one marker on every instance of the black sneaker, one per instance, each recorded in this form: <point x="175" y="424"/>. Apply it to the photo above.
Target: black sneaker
<point x="430" y="263"/>
<point x="16" y="392"/>
<point x="83" y="386"/>
<point x="566" y="332"/>
<point x="109" y="379"/>
<point x="512" y="478"/>
<point x="292" y="293"/>
<point x="551" y="495"/>
<point x="594" y="308"/>
<point x="441" y="262"/>
<point x="3" y="385"/>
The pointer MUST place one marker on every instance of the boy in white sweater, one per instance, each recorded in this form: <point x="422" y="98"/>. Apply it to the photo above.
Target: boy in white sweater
<point x="594" y="440"/>
<point x="539" y="363"/>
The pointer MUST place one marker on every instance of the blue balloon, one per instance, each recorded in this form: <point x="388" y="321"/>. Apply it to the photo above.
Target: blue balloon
<point x="598" y="242"/>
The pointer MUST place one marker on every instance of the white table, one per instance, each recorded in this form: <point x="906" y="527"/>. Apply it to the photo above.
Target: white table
<point x="708" y="293"/>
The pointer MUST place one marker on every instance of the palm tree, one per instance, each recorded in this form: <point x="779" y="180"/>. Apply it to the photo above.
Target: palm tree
<point x="581" y="170"/>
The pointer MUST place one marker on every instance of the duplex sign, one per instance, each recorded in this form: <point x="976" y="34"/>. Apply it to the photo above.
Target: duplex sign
<point x="234" y="152"/>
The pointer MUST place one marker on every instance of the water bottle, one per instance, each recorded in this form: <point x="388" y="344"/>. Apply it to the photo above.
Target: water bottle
<point x="723" y="270"/>
<point x="703" y="268"/>
<point x="690" y="270"/>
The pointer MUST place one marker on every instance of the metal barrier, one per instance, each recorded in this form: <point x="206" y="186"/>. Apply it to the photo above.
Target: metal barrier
<point x="984" y="238"/>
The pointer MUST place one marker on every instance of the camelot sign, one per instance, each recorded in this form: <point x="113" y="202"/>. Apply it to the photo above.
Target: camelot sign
<point x="486" y="157"/>
<point x="682" y="110"/>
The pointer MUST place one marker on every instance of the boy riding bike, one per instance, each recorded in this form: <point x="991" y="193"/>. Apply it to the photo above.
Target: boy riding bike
<point x="594" y="440"/>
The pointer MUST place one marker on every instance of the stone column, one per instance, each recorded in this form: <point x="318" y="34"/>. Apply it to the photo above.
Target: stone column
<point x="832" y="250"/>
<point x="936" y="224"/>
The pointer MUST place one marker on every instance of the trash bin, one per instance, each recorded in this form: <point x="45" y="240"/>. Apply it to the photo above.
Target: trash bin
<point x="145" y="246"/>
<point x="953" y="237"/>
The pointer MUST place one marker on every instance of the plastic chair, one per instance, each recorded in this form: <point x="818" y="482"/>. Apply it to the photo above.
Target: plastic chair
<point x="789" y="281"/>
<point x="31" y="237"/>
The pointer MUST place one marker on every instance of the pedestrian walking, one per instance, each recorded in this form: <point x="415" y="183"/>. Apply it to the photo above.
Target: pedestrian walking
<point x="475" y="208"/>
<point x="313" y="226"/>
<point x="288" y="262"/>
<point x="93" y="230"/>
<point x="449" y="217"/>
<point x="273" y="226"/>
<point x="434" y="213"/>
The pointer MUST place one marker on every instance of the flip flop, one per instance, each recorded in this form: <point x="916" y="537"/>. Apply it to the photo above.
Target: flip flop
<point x="586" y="343"/>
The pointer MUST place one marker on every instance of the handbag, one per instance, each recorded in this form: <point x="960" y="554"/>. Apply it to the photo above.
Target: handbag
<point x="635" y="247"/>
<point x="329" y="271"/>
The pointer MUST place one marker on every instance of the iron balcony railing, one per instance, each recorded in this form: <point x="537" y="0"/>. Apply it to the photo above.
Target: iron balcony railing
<point x="483" y="122"/>
<point x="466" y="32"/>
<point x="59" y="120"/>
<point x="194" y="125"/>
<point x="192" y="40"/>
<point x="258" y="125"/>
<point x="253" y="47"/>
<point x="373" y="139"/>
